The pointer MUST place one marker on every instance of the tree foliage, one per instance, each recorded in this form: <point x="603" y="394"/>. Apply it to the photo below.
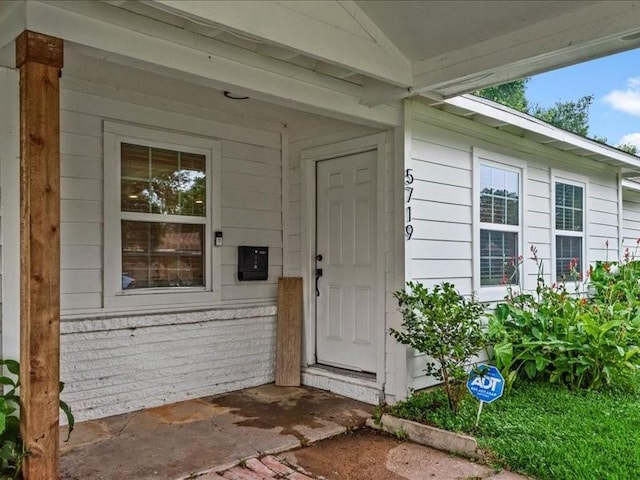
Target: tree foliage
<point x="511" y="94"/>
<point x="629" y="148"/>
<point x="571" y="115"/>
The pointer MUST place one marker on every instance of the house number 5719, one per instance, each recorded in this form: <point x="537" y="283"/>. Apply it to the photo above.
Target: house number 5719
<point x="408" y="181"/>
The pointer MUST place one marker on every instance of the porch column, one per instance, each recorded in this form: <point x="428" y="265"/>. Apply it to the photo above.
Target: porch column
<point x="39" y="58"/>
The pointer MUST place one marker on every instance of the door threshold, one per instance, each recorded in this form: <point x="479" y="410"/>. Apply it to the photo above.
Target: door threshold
<point x="345" y="372"/>
<point x="357" y="385"/>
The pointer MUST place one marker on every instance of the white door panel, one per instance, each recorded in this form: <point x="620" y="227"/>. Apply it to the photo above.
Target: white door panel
<point x="346" y="222"/>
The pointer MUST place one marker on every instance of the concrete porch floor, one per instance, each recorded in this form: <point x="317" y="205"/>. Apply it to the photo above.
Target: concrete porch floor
<point x="179" y="440"/>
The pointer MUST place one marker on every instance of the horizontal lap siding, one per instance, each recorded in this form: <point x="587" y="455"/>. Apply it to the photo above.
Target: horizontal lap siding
<point x="441" y="248"/>
<point x="112" y="370"/>
<point x="602" y="218"/>
<point x="442" y="214"/>
<point x="631" y="221"/>
<point x="251" y="201"/>
<point x="442" y="220"/>
<point x="538" y="221"/>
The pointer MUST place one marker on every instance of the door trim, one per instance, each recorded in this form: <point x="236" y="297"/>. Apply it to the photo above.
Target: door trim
<point x="308" y="160"/>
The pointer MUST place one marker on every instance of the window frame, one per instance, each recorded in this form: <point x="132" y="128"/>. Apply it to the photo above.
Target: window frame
<point x="114" y="134"/>
<point x="576" y="180"/>
<point x="482" y="157"/>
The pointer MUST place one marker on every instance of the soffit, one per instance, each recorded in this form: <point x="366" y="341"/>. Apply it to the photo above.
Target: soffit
<point x="423" y="30"/>
<point x="377" y="52"/>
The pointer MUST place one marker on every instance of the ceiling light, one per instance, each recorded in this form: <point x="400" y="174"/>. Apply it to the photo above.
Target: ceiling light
<point x="234" y="96"/>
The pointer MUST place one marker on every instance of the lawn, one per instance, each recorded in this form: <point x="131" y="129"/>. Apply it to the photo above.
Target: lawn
<point x="547" y="431"/>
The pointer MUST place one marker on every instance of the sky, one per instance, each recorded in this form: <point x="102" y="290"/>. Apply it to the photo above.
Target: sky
<point x="615" y="83"/>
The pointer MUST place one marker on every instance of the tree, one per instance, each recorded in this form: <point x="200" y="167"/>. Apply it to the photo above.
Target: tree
<point x="572" y="115"/>
<point x="511" y="94"/>
<point x="627" y="147"/>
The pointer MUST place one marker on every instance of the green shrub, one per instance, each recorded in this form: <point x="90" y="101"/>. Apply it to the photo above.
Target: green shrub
<point x="12" y="450"/>
<point x="566" y="338"/>
<point x="445" y="326"/>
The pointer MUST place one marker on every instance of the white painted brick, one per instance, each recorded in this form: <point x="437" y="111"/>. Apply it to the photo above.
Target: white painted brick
<point x="120" y="364"/>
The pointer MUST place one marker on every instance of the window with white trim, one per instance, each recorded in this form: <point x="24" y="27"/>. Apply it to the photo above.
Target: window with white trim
<point x="499" y="225"/>
<point x="163" y="213"/>
<point x="569" y="229"/>
<point x="161" y="205"/>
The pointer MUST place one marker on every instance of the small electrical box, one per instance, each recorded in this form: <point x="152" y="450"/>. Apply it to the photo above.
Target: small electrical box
<point x="253" y="263"/>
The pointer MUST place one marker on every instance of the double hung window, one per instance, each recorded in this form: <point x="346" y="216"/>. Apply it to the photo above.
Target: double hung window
<point x="161" y="206"/>
<point x="500" y="206"/>
<point x="569" y="230"/>
<point x="163" y="212"/>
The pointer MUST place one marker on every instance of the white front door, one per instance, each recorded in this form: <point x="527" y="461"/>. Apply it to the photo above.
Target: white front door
<point x="346" y="252"/>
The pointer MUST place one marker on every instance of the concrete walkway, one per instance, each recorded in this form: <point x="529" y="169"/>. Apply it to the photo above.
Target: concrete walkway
<point x="183" y="439"/>
<point x="259" y="433"/>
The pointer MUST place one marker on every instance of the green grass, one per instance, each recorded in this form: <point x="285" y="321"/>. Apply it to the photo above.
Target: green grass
<point x="546" y="430"/>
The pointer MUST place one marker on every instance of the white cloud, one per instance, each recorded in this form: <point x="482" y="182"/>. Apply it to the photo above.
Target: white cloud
<point x="631" y="139"/>
<point x="627" y="100"/>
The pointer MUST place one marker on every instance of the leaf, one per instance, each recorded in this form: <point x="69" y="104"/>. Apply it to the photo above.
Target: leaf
<point x="7" y="381"/>
<point x="12" y="366"/>
<point x="503" y="355"/>
<point x="530" y="369"/>
<point x="70" y="419"/>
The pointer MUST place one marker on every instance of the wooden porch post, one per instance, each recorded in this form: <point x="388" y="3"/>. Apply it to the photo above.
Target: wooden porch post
<point x="39" y="58"/>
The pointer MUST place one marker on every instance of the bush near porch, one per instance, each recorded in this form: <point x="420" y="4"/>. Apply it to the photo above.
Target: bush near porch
<point x="572" y="364"/>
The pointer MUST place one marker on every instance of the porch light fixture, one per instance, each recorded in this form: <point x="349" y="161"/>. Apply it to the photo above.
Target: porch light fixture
<point x="233" y="96"/>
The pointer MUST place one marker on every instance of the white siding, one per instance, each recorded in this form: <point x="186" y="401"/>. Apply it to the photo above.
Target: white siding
<point x="113" y="363"/>
<point x="442" y="208"/>
<point x="602" y="216"/>
<point x="251" y="185"/>
<point x="9" y="217"/>
<point x="631" y="221"/>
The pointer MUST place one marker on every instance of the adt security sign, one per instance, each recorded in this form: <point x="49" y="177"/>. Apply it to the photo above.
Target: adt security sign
<point x="487" y="385"/>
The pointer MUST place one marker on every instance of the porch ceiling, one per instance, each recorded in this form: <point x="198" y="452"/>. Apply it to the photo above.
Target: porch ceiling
<point x="441" y="48"/>
<point x="86" y="70"/>
<point x="353" y="60"/>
